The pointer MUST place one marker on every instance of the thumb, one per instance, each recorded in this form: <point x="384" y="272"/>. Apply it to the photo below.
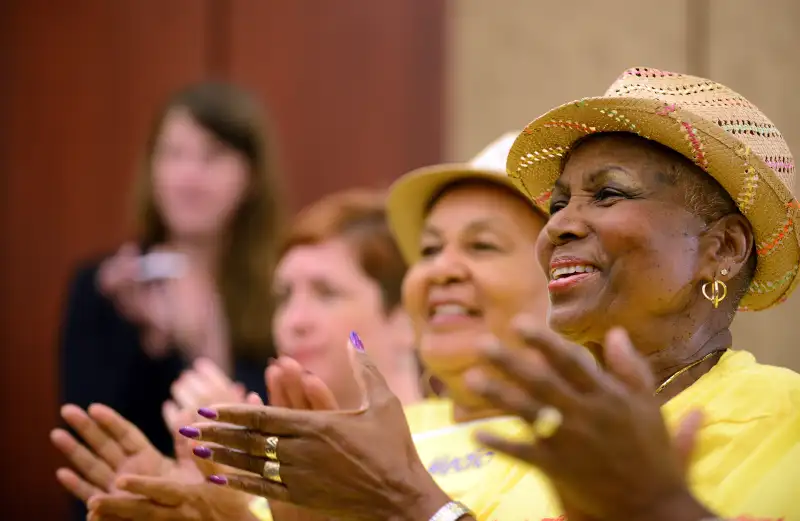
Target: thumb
<point x="159" y="490"/>
<point x="626" y="364"/>
<point x="373" y="385"/>
<point x="685" y="437"/>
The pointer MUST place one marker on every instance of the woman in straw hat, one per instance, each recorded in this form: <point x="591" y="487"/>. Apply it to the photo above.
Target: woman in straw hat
<point x="671" y="207"/>
<point x="641" y="237"/>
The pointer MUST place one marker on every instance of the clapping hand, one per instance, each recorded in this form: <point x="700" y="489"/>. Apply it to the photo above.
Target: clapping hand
<point x="599" y="435"/>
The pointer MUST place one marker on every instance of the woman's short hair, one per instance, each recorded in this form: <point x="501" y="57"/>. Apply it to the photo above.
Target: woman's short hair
<point x="247" y="265"/>
<point x="359" y="218"/>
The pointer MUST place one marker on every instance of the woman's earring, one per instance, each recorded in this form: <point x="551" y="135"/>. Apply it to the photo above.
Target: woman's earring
<point x="716" y="290"/>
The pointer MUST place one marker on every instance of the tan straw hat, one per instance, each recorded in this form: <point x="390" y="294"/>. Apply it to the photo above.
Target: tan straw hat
<point x="717" y="128"/>
<point x="411" y="195"/>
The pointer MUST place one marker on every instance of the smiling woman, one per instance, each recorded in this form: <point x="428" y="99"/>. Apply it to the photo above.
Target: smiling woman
<point x="340" y="270"/>
<point x="684" y="218"/>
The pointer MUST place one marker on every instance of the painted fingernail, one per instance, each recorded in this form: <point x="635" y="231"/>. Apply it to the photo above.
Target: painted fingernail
<point x="189" y="432"/>
<point x="202" y="452"/>
<point x="207" y="413"/>
<point x="218" y="480"/>
<point x="356" y="341"/>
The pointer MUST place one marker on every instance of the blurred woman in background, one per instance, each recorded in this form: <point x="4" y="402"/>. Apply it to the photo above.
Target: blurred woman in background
<point x="208" y="193"/>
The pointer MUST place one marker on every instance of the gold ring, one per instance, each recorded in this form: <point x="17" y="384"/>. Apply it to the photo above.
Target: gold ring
<point x="547" y="422"/>
<point x="271" y="449"/>
<point x="272" y="471"/>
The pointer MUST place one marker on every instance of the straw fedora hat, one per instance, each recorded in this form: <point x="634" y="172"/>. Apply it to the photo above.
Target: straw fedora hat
<point x="411" y="195"/>
<point x="717" y="128"/>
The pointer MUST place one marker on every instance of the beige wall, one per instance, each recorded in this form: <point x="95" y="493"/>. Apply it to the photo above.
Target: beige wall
<point x="511" y="60"/>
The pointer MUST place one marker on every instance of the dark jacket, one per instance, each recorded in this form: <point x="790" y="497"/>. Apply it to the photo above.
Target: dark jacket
<point x="102" y="361"/>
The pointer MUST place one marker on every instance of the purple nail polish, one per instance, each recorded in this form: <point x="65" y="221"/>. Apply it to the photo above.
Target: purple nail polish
<point x="202" y="452"/>
<point x="218" y="480"/>
<point x="207" y="413"/>
<point x="356" y="341"/>
<point x="189" y="432"/>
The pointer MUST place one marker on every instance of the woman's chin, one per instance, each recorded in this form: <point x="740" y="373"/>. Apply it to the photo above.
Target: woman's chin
<point x="570" y="322"/>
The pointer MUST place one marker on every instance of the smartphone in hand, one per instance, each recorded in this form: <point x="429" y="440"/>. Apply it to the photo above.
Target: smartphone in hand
<point x="162" y="265"/>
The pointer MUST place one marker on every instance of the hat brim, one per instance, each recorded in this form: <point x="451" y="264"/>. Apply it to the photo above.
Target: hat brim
<point x="411" y="195"/>
<point x="535" y="162"/>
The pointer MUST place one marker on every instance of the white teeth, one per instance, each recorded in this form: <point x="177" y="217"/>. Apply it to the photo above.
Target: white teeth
<point x="450" y="310"/>
<point x="570" y="270"/>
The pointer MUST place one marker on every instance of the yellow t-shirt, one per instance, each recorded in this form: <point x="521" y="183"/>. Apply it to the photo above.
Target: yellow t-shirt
<point x="747" y="462"/>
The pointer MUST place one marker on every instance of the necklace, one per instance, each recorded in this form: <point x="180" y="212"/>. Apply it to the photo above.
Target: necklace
<point x="684" y="369"/>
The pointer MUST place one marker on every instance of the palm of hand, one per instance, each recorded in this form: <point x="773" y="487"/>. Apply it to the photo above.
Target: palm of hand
<point x="148" y="462"/>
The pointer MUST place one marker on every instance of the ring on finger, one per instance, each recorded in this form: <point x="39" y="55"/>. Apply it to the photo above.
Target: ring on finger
<point x="272" y="471"/>
<point x="271" y="447"/>
<point x="547" y="422"/>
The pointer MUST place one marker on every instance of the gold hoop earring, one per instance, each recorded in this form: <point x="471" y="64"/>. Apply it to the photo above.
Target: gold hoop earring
<point x="715" y="291"/>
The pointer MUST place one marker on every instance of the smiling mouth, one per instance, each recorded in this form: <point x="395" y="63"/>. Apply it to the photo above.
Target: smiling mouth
<point x="452" y="311"/>
<point x="564" y="272"/>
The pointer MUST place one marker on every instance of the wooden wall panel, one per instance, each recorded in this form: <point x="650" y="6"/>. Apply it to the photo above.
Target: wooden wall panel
<point x="355" y="85"/>
<point x="80" y="82"/>
<point x="511" y="60"/>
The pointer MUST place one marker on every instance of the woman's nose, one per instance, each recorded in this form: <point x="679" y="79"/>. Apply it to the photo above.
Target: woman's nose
<point x="567" y="224"/>
<point x="449" y="266"/>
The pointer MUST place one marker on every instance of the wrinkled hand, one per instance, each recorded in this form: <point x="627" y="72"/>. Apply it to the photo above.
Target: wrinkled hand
<point x="114" y="446"/>
<point x="179" y="494"/>
<point x="166" y="500"/>
<point x="354" y="464"/>
<point x="611" y="456"/>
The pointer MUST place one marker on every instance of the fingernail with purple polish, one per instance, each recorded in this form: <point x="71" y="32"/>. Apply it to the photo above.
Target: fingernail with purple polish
<point x="202" y="452"/>
<point x="356" y="341"/>
<point x="207" y="413"/>
<point x="218" y="480"/>
<point x="189" y="432"/>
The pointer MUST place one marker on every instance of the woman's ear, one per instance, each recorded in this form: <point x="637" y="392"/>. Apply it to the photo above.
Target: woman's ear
<point x="727" y="244"/>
